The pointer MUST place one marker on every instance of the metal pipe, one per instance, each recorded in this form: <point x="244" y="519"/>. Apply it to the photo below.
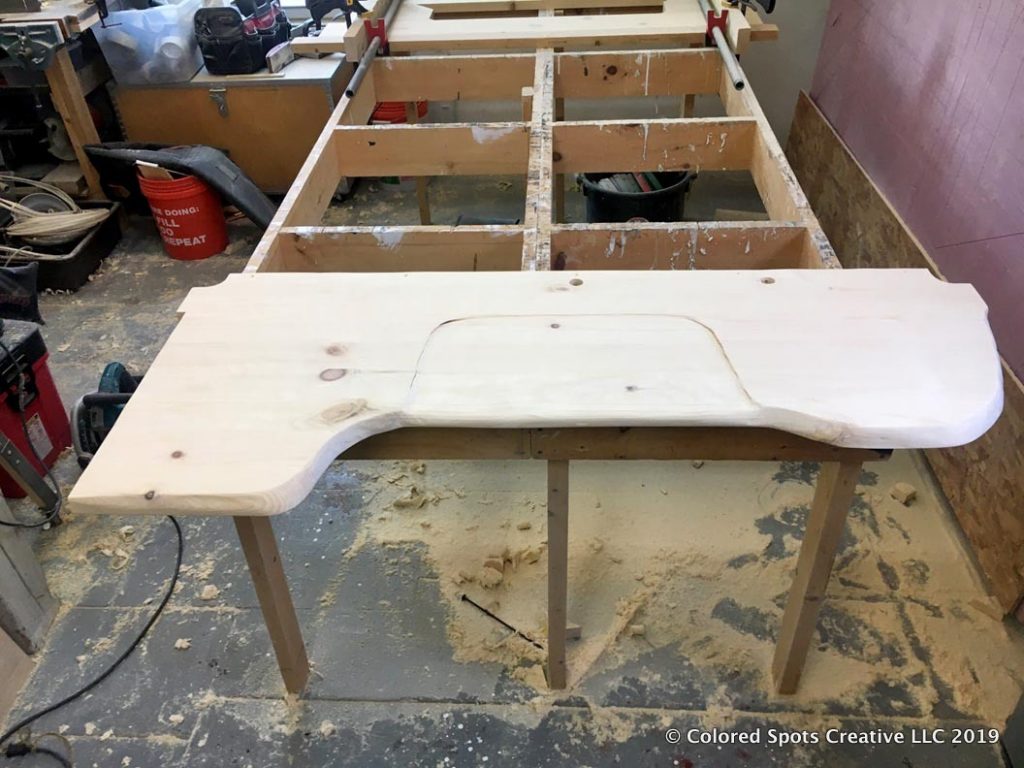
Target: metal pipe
<point x="363" y="68"/>
<point x="732" y="64"/>
<point x="391" y="11"/>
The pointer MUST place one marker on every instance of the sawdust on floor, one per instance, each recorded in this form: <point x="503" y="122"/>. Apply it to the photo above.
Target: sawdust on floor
<point x="666" y="545"/>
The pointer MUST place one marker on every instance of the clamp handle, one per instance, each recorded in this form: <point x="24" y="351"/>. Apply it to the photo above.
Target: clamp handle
<point x="766" y="6"/>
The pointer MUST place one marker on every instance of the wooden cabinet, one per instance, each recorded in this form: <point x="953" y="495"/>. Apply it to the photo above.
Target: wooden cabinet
<point x="266" y="122"/>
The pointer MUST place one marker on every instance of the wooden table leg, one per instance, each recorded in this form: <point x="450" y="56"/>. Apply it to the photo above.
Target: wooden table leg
<point x="558" y="564"/>
<point x="832" y="497"/>
<point x="260" y="547"/>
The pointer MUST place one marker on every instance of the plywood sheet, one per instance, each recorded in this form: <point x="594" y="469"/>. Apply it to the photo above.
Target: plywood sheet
<point x="269" y="377"/>
<point x="984" y="481"/>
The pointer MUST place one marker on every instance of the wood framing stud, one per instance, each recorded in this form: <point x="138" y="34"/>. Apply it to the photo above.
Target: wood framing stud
<point x="539" y="190"/>
<point x="466" y="248"/>
<point x="545" y="149"/>
<point x="679" y="245"/>
<point x="558" y="569"/>
<point x="578" y="75"/>
<point x="825" y="524"/>
<point x="66" y="92"/>
<point x="260" y="547"/>
<point x="604" y="444"/>
<point x="455" y="149"/>
<point x="527" y="97"/>
<point x="710" y="144"/>
<point x="558" y="190"/>
<point x="318" y="179"/>
<point x="423" y="201"/>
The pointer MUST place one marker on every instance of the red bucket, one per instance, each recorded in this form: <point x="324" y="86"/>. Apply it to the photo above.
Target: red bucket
<point x="189" y="216"/>
<point x="394" y="112"/>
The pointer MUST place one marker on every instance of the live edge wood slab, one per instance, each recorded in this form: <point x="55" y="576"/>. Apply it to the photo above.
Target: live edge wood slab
<point x="270" y="377"/>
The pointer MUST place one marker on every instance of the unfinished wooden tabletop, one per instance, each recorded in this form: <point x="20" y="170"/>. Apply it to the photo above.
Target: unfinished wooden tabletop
<point x="418" y="27"/>
<point x="269" y="377"/>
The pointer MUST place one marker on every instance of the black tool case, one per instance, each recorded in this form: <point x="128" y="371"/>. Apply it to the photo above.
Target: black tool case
<point x="235" y="39"/>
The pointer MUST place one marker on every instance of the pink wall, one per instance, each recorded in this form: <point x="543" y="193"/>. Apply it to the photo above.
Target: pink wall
<point x="929" y="95"/>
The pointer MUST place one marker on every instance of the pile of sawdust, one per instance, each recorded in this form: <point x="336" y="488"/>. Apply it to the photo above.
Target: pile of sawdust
<point x="663" y="544"/>
<point x="75" y="552"/>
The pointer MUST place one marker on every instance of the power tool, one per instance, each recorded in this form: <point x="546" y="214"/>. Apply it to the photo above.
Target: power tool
<point x="93" y="416"/>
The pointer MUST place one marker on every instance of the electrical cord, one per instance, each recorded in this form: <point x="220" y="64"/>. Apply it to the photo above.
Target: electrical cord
<point x="54" y="513"/>
<point x="29" y="222"/>
<point x="31" y="747"/>
<point x="106" y="673"/>
<point x="21" y="749"/>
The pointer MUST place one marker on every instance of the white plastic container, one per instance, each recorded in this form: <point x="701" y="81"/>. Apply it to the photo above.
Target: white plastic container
<point x="154" y="45"/>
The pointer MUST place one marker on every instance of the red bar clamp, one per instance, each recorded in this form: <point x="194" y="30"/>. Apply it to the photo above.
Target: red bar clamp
<point x="377" y="28"/>
<point x="717" y="20"/>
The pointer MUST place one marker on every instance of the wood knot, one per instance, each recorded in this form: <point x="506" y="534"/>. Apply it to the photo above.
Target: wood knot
<point x="768" y="280"/>
<point x="343" y="411"/>
<point x="332" y="374"/>
<point x="335" y="350"/>
<point x="576" y="282"/>
<point x="150" y="495"/>
<point x="177" y="454"/>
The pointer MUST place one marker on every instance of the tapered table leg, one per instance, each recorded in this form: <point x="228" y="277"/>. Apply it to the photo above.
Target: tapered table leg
<point x="260" y="547"/>
<point x="558" y="564"/>
<point x="832" y="497"/>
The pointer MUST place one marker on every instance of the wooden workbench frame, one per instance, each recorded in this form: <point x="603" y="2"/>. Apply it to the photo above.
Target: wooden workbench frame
<point x="542" y="148"/>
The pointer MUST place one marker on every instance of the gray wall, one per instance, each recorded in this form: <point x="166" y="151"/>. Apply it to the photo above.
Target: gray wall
<point x="778" y="71"/>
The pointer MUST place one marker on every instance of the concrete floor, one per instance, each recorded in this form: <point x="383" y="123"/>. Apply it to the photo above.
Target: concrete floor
<point x="406" y="675"/>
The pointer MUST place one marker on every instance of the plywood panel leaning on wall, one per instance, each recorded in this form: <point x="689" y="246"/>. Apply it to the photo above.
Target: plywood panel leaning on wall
<point x="984" y="480"/>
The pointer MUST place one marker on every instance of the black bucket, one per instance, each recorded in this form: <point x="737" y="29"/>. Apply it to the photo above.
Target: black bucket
<point x="665" y="204"/>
